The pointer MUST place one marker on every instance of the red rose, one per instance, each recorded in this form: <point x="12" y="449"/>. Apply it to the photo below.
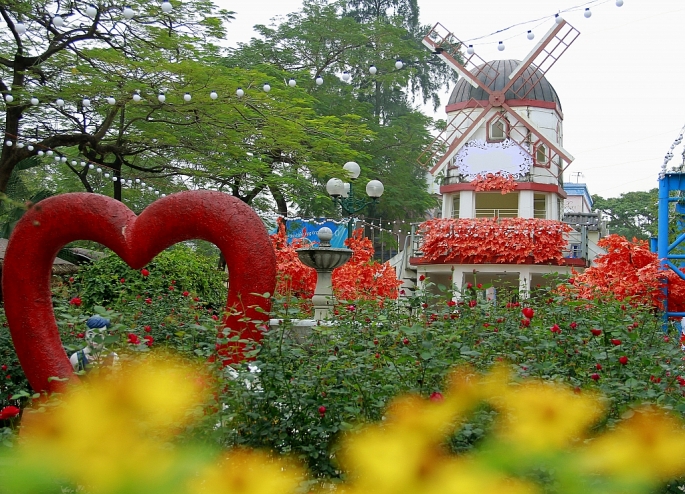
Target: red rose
<point x="215" y="317"/>
<point x="486" y="324"/>
<point x="4" y="367"/>
<point x="437" y="397"/>
<point x="196" y="299"/>
<point x="147" y="329"/>
<point x="185" y="294"/>
<point x="375" y="341"/>
<point x="405" y="341"/>
<point x="122" y="280"/>
<point x="451" y="303"/>
<point x="574" y="325"/>
<point x="148" y="339"/>
<point x="148" y="300"/>
<point x="528" y="312"/>
<point x="378" y="355"/>
<point x="525" y="322"/>
<point x="473" y="303"/>
<point x="171" y="288"/>
<point x="623" y="360"/>
<point x="479" y="286"/>
<point x="322" y="410"/>
<point x="615" y="342"/>
<point x="424" y="305"/>
<point x="75" y="301"/>
<point x="9" y="412"/>
<point x="145" y="272"/>
<point x="71" y="279"/>
<point x="555" y="329"/>
<point x="81" y="335"/>
<point x="469" y="286"/>
<point x="422" y="277"/>
<point x="598" y="366"/>
<point x="594" y="377"/>
<point x="133" y="339"/>
<point x="596" y="332"/>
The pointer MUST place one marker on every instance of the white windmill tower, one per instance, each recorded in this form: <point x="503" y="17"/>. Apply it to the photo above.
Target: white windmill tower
<point x="505" y="117"/>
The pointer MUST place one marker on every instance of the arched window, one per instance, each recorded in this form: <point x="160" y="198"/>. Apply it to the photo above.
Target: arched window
<point x="498" y="129"/>
<point x="541" y="158"/>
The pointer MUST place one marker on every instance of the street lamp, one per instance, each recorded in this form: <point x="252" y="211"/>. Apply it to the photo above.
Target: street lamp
<point x="343" y="193"/>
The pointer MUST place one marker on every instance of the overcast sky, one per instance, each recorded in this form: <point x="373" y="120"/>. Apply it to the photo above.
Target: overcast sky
<point x="621" y="84"/>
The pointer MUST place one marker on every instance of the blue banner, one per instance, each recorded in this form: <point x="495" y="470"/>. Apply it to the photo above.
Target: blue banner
<point x="308" y="230"/>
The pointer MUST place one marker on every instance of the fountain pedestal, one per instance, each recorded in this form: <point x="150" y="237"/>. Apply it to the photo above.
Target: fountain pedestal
<point x="324" y="259"/>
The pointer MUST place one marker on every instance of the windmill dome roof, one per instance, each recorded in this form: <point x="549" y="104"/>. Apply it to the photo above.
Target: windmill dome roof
<point x="500" y="70"/>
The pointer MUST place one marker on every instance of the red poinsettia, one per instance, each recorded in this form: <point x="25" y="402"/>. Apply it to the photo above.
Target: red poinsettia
<point x="629" y="270"/>
<point x="486" y="240"/>
<point x="503" y="182"/>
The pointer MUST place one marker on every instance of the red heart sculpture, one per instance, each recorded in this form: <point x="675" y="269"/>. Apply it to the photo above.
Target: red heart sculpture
<point x="213" y="216"/>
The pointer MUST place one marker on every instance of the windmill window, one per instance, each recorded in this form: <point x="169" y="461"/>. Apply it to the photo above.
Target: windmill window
<point x="541" y="155"/>
<point x="498" y="131"/>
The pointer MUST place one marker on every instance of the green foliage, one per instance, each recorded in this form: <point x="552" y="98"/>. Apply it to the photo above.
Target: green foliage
<point x="110" y="281"/>
<point x="632" y="214"/>
<point x="370" y="354"/>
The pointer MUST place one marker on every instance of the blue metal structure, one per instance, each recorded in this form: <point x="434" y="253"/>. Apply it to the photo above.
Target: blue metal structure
<point x="671" y="181"/>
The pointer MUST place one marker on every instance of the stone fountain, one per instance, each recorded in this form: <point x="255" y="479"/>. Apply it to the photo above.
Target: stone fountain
<point x="324" y="259"/>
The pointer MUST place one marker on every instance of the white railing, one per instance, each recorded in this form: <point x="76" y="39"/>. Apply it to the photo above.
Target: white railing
<point x="496" y="213"/>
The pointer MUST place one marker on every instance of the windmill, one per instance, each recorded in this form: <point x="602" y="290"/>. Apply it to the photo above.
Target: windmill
<point x="483" y="75"/>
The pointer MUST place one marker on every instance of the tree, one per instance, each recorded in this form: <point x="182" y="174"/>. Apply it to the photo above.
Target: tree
<point x="632" y="214"/>
<point x="329" y="38"/>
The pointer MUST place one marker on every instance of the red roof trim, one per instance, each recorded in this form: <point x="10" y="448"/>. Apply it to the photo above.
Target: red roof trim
<point x="519" y="186"/>
<point x="550" y="105"/>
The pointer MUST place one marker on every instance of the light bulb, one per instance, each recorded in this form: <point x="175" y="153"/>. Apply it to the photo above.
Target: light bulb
<point x="166" y="6"/>
<point x="500" y="46"/>
<point x="137" y="180"/>
<point x="114" y="179"/>
<point x="150" y="189"/>
<point x="136" y="97"/>
<point x="157" y="192"/>
<point x="142" y="184"/>
<point x="20" y="145"/>
<point x="63" y="159"/>
<point x="128" y="12"/>
<point x="59" y="102"/>
<point x="292" y="82"/>
<point x="30" y="147"/>
<point x="161" y="98"/>
<point x="20" y="28"/>
<point x="587" y="13"/>
<point x="91" y="166"/>
<point x="106" y="175"/>
<point x="530" y="35"/>
<point x="111" y="100"/>
<point x="399" y="64"/>
<point x="41" y="153"/>
<point x="56" y="159"/>
<point x="558" y="19"/>
<point x="34" y="100"/>
<point x="91" y="11"/>
<point x="74" y="163"/>
<point x="213" y="95"/>
<point x="8" y="143"/>
<point x="187" y="97"/>
<point x="266" y="87"/>
<point x="239" y="92"/>
<point x="129" y="182"/>
<point x="319" y="80"/>
<point x="163" y="195"/>
<point x="9" y="98"/>
<point x="83" y="164"/>
<point x="99" y="170"/>
<point x="49" y="152"/>
<point x="470" y="50"/>
<point x="619" y="3"/>
<point x="346" y="76"/>
<point x="57" y="21"/>
<point x="373" y="70"/>
<point x="86" y="102"/>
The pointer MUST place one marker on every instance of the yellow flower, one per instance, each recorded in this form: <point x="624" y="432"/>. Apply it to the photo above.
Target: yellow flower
<point x="540" y="416"/>
<point x="649" y="446"/>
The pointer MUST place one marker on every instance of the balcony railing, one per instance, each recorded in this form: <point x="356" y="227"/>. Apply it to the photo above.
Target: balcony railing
<point x="496" y="213"/>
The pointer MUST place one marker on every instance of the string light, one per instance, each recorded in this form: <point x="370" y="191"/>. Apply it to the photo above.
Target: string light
<point x="20" y="28"/>
<point x="500" y="46"/>
<point x="91" y="11"/>
<point x="239" y="92"/>
<point x="399" y="64"/>
<point x="128" y="12"/>
<point x="619" y="3"/>
<point x="9" y="98"/>
<point x="530" y="35"/>
<point x="57" y="21"/>
<point x="587" y="13"/>
<point x="373" y="70"/>
<point x="292" y="82"/>
<point x="213" y="95"/>
<point x="166" y="6"/>
<point x="319" y="80"/>
<point x="266" y="87"/>
<point x="187" y="97"/>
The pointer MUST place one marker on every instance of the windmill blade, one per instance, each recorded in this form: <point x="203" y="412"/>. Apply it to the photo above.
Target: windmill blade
<point x="447" y="46"/>
<point x="459" y="130"/>
<point x="548" y="50"/>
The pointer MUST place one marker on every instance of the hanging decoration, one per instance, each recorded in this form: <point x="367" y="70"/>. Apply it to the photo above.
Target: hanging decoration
<point x="481" y="157"/>
<point x="503" y="182"/>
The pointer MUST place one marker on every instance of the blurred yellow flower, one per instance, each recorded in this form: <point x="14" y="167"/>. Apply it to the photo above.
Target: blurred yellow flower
<point x="650" y="445"/>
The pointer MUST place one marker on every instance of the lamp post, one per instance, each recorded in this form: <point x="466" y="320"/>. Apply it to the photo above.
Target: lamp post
<point x="343" y="193"/>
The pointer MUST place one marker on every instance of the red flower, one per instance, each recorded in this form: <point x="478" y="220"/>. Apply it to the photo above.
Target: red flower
<point x="147" y="329"/>
<point x="378" y="355"/>
<point x="555" y="329"/>
<point x="148" y="339"/>
<point x="148" y="300"/>
<point x="9" y="412"/>
<point x="75" y="301"/>
<point x="598" y="366"/>
<point x="479" y="286"/>
<point x="133" y="339"/>
<point x="122" y="280"/>
<point x="528" y="312"/>
<point x="322" y="410"/>
<point x="437" y="397"/>
<point x="422" y="277"/>
<point x="215" y="317"/>
<point x="615" y="342"/>
<point x="81" y="335"/>
<point x="71" y="279"/>
<point x="196" y="299"/>
<point x="655" y="379"/>
<point x="594" y="377"/>
<point x="469" y="286"/>
<point x="451" y="303"/>
<point x="596" y="332"/>
<point x="405" y="341"/>
<point x="473" y="303"/>
<point x="4" y="367"/>
<point x="171" y="288"/>
<point x="375" y="341"/>
<point x="623" y="360"/>
<point x="185" y="294"/>
<point x="525" y="322"/>
<point x="145" y="272"/>
<point x="486" y="324"/>
<point x="574" y="325"/>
